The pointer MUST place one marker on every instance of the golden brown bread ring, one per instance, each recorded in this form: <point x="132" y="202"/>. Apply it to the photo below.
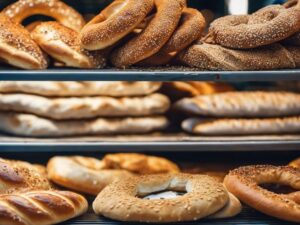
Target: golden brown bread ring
<point x="268" y="25"/>
<point x="215" y="57"/>
<point x="244" y="183"/>
<point x="114" y="23"/>
<point x="153" y="37"/>
<point x="56" y="9"/>
<point x="204" y="197"/>
<point x="139" y="163"/>
<point x="41" y="207"/>
<point x="62" y="44"/>
<point x="190" y="29"/>
<point x="82" y="174"/>
<point x="17" y="48"/>
<point x="231" y="209"/>
<point x="295" y="163"/>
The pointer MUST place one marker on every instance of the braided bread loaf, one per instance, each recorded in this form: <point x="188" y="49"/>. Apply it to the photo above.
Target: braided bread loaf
<point x="40" y="207"/>
<point x="27" y="197"/>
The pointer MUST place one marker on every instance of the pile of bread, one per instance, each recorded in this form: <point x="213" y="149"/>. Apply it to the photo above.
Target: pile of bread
<point x="242" y="113"/>
<point x="127" y="186"/>
<point x="149" y="33"/>
<point x="60" y="109"/>
<point x="56" y="109"/>
<point x="265" y="40"/>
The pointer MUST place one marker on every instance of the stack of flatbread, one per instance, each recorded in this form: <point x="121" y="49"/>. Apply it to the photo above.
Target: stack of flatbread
<point x="54" y="109"/>
<point x="242" y="113"/>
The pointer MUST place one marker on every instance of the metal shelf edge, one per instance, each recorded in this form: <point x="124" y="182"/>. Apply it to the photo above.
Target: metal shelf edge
<point x="135" y="75"/>
<point x="150" y="146"/>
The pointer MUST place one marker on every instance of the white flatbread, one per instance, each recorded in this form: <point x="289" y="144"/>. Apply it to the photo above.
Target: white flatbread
<point x="34" y="126"/>
<point x="84" y="107"/>
<point x="243" y="104"/>
<point x="84" y="88"/>
<point x="287" y="125"/>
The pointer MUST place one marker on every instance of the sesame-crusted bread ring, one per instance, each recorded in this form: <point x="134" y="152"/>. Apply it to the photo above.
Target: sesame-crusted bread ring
<point x="204" y="197"/>
<point x="56" y="9"/>
<point x="17" y="48"/>
<point x="114" y="22"/>
<point x="190" y="29"/>
<point x="215" y="57"/>
<point x="245" y="182"/>
<point x="268" y="25"/>
<point x="153" y="37"/>
<point x="62" y="44"/>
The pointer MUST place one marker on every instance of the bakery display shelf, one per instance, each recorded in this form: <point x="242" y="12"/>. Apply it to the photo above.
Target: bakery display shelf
<point x="162" y="74"/>
<point x="151" y="143"/>
<point x="248" y="216"/>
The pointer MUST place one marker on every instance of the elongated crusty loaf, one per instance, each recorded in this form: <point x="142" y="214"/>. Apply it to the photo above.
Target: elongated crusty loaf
<point x="16" y="176"/>
<point x="82" y="174"/>
<point x="243" y="104"/>
<point x="214" y="57"/>
<point x="40" y="207"/>
<point x="31" y="125"/>
<point x="286" y="125"/>
<point x="86" y="107"/>
<point x="83" y="88"/>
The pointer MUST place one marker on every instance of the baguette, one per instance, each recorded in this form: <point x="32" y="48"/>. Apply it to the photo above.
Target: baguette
<point x="243" y="104"/>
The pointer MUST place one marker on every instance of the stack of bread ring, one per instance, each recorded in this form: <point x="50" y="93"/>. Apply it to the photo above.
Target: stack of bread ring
<point x="122" y="180"/>
<point x="125" y="32"/>
<point x="265" y="40"/>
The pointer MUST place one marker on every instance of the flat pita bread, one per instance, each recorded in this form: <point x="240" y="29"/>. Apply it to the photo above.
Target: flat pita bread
<point x="243" y="104"/>
<point x="84" y="107"/>
<point x="84" y="88"/>
<point x="286" y="125"/>
<point x="34" y="126"/>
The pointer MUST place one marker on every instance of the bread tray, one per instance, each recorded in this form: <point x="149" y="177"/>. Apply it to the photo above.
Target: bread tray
<point x="157" y="74"/>
<point x="247" y="217"/>
<point x="151" y="143"/>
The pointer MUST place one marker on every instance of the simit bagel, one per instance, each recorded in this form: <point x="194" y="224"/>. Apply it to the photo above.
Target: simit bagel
<point x="190" y="29"/>
<point x="215" y="57"/>
<point x="63" y="13"/>
<point x="17" y="48"/>
<point x="204" y="197"/>
<point x="153" y="37"/>
<point x="244" y="183"/>
<point x="114" y="23"/>
<point x="63" y="45"/>
<point x="268" y="25"/>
